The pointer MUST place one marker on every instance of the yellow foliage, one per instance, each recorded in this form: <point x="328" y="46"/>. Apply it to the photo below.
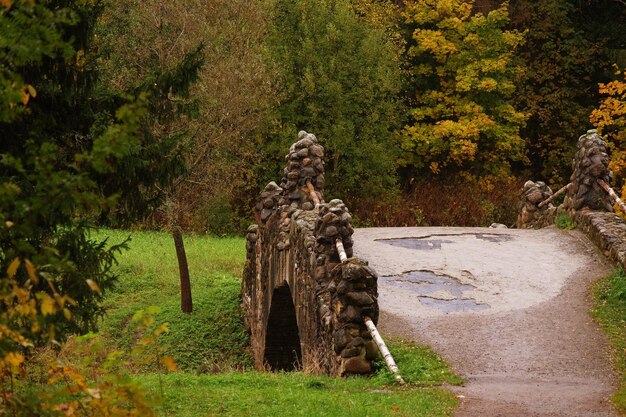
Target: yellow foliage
<point x="169" y="363"/>
<point x="610" y="120"/>
<point x="462" y="117"/>
<point x="93" y="286"/>
<point x="25" y="315"/>
<point x="12" y="269"/>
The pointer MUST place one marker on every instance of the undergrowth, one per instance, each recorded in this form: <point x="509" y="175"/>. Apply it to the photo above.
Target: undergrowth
<point x="564" y="221"/>
<point x="439" y="202"/>
<point x="610" y="312"/>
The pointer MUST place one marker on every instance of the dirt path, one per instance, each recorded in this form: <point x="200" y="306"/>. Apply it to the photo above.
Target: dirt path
<point x="507" y="308"/>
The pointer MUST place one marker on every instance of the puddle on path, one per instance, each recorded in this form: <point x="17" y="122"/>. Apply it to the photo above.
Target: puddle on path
<point x="437" y="291"/>
<point x="423" y="243"/>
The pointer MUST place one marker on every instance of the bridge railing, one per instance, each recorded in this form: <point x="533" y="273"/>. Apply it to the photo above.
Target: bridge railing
<point x="588" y="200"/>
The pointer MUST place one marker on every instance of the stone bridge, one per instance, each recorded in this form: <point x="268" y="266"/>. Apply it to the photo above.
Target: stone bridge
<point x="304" y="307"/>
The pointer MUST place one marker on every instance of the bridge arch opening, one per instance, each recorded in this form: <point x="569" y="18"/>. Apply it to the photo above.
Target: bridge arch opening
<point x="282" y="339"/>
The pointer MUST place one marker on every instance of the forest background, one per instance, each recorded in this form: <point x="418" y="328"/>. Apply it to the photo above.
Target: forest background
<point x="431" y="112"/>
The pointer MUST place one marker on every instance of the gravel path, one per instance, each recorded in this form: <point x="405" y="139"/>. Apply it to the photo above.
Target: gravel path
<point x="507" y="308"/>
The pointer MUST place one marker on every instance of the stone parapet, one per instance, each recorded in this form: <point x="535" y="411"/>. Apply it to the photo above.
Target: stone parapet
<point x="606" y="230"/>
<point x="303" y="306"/>
<point x="590" y="163"/>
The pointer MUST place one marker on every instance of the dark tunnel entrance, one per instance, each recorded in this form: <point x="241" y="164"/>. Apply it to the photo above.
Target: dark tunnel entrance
<point x="282" y="340"/>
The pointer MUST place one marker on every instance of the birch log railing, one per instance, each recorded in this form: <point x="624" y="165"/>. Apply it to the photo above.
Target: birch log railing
<point x="382" y="347"/>
<point x="550" y="199"/>
<point x="612" y="194"/>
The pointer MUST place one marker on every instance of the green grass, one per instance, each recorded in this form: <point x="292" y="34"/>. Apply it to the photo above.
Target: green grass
<point x="563" y="221"/>
<point x="292" y="394"/>
<point x="213" y="339"/>
<point x="610" y="312"/>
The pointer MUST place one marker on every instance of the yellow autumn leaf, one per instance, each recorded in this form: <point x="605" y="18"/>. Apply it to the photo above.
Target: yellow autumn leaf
<point x="93" y="286"/>
<point x="32" y="271"/>
<point x="31" y="90"/>
<point x="47" y="305"/>
<point x="163" y="328"/>
<point x="6" y="4"/>
<point x="12" y="269"/>
<point x="169" y="363"/>
<point x="13" y="359"/>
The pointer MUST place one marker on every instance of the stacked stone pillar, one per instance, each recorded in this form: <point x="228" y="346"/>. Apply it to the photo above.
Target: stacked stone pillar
<point x="294" y="245"/>
<point x="584" y="193"/>
<point x="590" y="163"/>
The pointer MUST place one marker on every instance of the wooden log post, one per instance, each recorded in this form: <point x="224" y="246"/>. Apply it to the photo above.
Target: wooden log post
<point x="612" y="194"/>
<point x="553" y="196"/>
<point x="341" y="250"/>
<point x="186" y="304"/>
<point x="382" y="347"/>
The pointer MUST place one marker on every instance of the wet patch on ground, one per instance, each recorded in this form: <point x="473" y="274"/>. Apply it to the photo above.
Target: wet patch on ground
<point x="420" y="244"/>
<point x="441" y="292"/>
<point x="426" y="243"/>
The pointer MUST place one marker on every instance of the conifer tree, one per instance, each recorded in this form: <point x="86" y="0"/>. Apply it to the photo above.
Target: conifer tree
<point x="72" y="152"/>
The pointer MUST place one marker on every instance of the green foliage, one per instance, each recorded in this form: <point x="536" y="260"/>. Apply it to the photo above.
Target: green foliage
<point x="610" y="312"/>
<point x="231" y="97"/>
<point x="558" y="89"/>
<point x="564" y="221"/>
<point x="29" y="33"/>
<point x="50" y="386"/>
<point x="463" y="83"/>
<point x="338" y="79"/>
<point x="71" y="151"/>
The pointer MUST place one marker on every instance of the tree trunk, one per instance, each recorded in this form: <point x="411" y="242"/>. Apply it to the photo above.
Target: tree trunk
<point x="185" y="285"/>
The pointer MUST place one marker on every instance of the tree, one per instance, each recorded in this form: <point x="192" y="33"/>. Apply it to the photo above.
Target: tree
<point x="233" y="94"/>
<point x="338" y="79"/>
<point x="558" y="89"/>
<point x="461" y="117"/>
<point x="610" y="120"/>
<point x="73" y="152"/>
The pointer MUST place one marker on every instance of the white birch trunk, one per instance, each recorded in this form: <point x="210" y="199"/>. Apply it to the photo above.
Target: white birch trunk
<point x="391" y="364"/>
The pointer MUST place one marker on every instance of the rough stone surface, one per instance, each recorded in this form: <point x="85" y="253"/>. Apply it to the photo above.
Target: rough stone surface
<point x="293" y="245"/>
<point x="606" y="230"/>
<point x="530" y="215"/>
<point x="590" y="163"/>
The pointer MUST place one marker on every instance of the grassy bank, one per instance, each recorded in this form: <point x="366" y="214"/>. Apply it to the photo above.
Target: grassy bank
<point x="610" y="312"/>
<point x="214" y="335"/>
<point x="210" y="345"/>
